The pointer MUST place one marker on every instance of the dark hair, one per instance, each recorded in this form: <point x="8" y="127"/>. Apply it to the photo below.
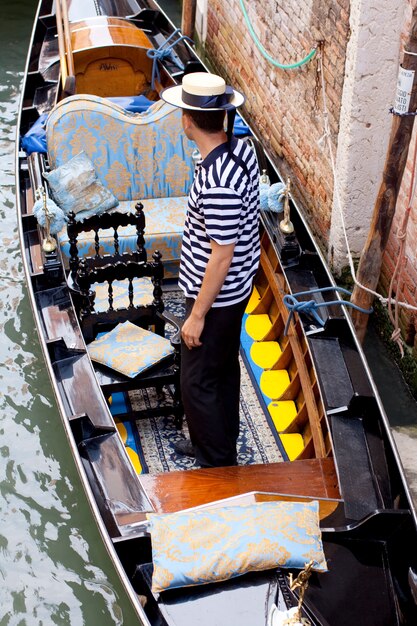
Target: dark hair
<point x="210" y="121"/>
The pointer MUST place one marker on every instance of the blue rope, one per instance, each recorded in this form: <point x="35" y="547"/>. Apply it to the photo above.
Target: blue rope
<point x="310" y="306"/>
<point x="158" y="54"/>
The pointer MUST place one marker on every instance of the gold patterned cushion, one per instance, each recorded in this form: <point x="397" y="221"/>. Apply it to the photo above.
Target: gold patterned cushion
<point x="129" y="349"/>
<point x="207" y="545"/>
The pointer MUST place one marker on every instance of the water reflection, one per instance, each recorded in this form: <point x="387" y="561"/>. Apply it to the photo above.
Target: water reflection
<point x="53" y="566"/>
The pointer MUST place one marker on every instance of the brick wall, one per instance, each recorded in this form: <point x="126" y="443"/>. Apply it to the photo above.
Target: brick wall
<point x="285" y="107"/>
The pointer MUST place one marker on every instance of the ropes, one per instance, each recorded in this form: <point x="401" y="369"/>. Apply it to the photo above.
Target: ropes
<point x="310" y="306"/>
<point x="282" y="66"/>
<point x="164" y="52"/>
<point x="326" y="136"/>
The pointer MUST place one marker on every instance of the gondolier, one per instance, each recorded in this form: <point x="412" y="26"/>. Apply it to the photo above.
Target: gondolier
<point x="220" y="255"/>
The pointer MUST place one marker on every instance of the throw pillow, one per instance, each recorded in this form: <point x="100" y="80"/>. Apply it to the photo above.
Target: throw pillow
<point x="75" y="187"/>
<point x="207" y="545"/>
<point x="129" y="349"/>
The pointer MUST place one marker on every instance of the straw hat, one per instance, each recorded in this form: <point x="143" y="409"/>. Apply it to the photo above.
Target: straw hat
<point x="201" y="91"/>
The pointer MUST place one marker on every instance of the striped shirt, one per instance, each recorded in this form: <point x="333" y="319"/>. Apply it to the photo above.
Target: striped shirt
<point x="223" y="206"/>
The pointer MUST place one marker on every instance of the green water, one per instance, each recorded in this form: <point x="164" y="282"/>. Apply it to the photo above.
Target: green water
<point x="53" y="566"/>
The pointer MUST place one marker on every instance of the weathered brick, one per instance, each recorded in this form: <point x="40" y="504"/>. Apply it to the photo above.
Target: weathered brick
<point x="285" y="107"/>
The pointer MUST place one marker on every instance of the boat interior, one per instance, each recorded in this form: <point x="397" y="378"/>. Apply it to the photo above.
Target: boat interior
<point x="309" y="415"/>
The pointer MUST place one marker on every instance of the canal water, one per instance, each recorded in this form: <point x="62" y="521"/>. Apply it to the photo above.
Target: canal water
<point x="53" y="567"/>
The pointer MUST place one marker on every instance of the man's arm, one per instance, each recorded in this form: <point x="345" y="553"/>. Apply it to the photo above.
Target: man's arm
<point x="214" y="277"/>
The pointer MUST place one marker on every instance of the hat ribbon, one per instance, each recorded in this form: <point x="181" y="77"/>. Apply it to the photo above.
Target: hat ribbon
<point x="210" y="102"/>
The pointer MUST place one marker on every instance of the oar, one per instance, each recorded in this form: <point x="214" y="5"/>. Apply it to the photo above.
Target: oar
<point x="61" y="44"/>
<point x="70" y="86"/>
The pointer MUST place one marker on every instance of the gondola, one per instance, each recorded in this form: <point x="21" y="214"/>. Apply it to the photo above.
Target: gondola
<point x="314" y="430"/>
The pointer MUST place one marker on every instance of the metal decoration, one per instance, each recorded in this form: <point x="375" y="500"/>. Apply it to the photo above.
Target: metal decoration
<point x="286" y="226"/>
<point x="49" y="243"/>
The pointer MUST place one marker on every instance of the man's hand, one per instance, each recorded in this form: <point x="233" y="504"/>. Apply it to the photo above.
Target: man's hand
<point x="191" y="331"/>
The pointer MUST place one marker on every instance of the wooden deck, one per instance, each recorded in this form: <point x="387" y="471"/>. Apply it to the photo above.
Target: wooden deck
<point x="175" y="491"/>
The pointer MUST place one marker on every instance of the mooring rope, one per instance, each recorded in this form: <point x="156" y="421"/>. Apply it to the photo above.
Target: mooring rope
<point x="310" y="306"/>
<point x="399" y="266"/>
<point x="282" y="66"/>
<point x="327" y="137"/>
<point x="163" y="52"/>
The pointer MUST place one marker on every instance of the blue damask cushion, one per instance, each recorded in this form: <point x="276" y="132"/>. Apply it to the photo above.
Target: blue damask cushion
<point x="75" y="187"/>
<point x="207" y="545"/>
<point x="142" y="288"/>
<point x="129" y="349"/>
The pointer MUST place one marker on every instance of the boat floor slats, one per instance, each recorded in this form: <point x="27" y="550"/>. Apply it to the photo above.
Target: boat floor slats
<point x="121" y="491"/>
<point x="356" y="481"/>
<point x="175" y="491"/>
<point x="59" y="318"/>
<point x="79" y="387"/>
<point x="332" y="372"/>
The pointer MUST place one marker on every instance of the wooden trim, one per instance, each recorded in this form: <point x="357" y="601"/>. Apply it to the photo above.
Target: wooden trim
<point x="314" y="417"/>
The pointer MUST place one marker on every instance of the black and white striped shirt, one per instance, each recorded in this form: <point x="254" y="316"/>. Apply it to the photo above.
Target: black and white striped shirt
<point x="223" y="205"/>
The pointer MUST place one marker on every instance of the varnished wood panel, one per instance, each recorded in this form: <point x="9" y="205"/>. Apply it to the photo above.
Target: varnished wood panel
<point x="174" y="491"/>
<point x="107" y="32"/>
<point x="314" y="417"/>
<point x="35" y="252"/>
<point x="59" y="318"/>
<point x="82" y="391"/>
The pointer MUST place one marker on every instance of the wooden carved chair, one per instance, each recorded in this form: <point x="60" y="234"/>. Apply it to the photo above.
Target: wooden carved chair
<point x="105" y="246"/>
<point x="127" y="342"/>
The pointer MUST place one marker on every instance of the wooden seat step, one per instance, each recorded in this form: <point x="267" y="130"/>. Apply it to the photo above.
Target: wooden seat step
<point x="332" y="372"/>
<point x="341" y="375"/>
<point x="175" y="491"/>
<point x="357" y="483"/>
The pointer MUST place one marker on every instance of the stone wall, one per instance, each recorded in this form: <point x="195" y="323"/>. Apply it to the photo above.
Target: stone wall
<point x="285" y="107"/>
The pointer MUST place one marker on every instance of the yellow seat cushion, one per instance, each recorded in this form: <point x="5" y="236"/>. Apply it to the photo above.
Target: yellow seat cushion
<point x="254" y="300"/>
<point x="258" y="326"/>
<point x="265" y="353"/>
<point x="274" y="383"/>
<point x="282" y="413"/>
<point x="122" y="431"/>
<point x="293" y="444"/>
<point x="133" y="456"/>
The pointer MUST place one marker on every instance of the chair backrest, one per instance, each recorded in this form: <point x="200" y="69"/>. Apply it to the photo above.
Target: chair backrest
<point x="94" y="321"/>
<point x="99" y="223"/>
<point x="136" y="156"/>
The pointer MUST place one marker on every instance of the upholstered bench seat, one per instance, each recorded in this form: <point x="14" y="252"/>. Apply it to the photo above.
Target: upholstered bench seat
<point x="138" y="157"/>
<point x="165" y="219"/>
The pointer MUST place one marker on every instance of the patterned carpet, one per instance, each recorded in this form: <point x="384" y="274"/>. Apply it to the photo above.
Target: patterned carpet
<point x="156" y="436"/>
<point x="153" y="439"/>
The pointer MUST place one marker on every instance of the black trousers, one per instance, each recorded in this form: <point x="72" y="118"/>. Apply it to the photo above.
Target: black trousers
<point x="210" y="385"/>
